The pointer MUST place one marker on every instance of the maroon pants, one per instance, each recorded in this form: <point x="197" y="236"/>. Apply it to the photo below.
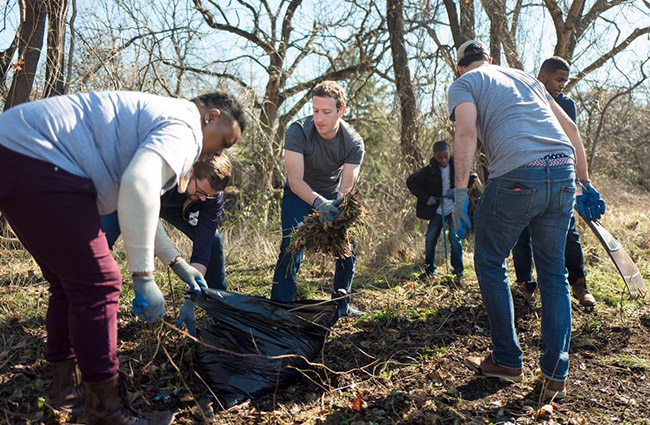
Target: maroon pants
<point x="55" y="216"/>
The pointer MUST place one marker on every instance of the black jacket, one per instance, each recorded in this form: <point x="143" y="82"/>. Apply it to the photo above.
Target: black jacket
<point x="427" y="182"/>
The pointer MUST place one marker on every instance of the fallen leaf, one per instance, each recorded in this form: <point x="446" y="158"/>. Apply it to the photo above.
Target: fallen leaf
<point x="357" y="404"/>
<point x="544" y="412"/>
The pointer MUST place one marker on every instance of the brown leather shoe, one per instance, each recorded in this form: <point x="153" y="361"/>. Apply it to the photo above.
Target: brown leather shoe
<point x="581" y="293"/>
<point x="105" y="406"/>
<point x="67" y="390"/>
<point x="523" y="292"/>
<point x="488" y="367"/>
<point x="554" y="389"/>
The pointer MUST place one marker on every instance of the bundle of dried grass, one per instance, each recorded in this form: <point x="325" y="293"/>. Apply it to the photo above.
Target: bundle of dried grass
<point x="335" y="236"/>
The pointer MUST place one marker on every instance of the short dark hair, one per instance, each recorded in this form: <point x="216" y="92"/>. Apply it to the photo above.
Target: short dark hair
<point x="216" y="170"/>
<point x="440" y="146"/>
<point x="331" y="89"/>
<point x="553" y="64"/>
<point x="225" y="102"/>
<point x="472" y="58"/>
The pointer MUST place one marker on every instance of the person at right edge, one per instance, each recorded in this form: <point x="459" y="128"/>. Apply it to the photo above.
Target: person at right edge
<point x="554" y="73"/>
<point x="534" y="153"/>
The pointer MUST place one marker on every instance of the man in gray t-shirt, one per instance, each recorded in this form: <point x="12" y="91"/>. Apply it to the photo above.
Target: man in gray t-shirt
<point x="534" y="152"/>
<point x="322" y="155"/>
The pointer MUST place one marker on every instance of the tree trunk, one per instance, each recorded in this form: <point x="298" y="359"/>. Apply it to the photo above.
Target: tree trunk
<point x="57" y="11"/>
<point x="467" y="19"/>
<point x="5" y="63"/>
<point x="495" y="43"/>
<point x="32" y="28"/>
<point x="461" y="22"/>
<point x="405" y="91"/>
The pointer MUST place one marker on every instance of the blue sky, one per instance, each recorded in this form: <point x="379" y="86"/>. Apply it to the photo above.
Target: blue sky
<point x="535" y="44"/>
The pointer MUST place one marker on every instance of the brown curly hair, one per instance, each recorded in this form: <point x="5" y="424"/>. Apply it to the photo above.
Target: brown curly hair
<point x="331" y="89"/>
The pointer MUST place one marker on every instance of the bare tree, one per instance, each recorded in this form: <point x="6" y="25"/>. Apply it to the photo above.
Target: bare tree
<point x="403" y="82"/>
<point x="501" y="34"/>
<point x="29" y="41"/>
<point x="461" y="20"/>
<point x="33" y="14"/>
<point x="57" y="11"/>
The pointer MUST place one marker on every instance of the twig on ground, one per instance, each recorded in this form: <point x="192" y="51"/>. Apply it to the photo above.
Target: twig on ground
<point x="187" y="387"/>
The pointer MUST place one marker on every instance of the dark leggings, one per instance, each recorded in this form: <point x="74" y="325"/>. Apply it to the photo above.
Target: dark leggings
<point x="54" y="214"/>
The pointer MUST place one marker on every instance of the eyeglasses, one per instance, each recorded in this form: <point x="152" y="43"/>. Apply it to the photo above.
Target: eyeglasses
<point x="200" y="192"/>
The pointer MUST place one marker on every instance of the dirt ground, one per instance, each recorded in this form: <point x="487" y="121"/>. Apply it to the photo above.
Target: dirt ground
<point x="401" y="363"/>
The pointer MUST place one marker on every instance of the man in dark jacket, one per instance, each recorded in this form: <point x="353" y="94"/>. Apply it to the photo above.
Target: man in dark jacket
<point x="433" y="186"/>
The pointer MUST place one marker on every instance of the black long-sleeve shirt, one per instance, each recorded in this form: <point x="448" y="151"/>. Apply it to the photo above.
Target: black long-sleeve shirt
<point x="204" y="216"/>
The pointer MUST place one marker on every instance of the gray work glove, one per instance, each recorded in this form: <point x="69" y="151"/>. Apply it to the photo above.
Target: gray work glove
<point x="190" y="275"/>
<point x="432" y="200"/>
<point x="186" y="316"/>
<point x="149" y="303"/>
<point x="460" y="214"/>
<point x="327" y="210"/>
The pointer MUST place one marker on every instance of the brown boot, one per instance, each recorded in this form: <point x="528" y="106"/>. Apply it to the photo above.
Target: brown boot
<point x="553" y="389"/>
<point x="581" y="293"/>
<point x="67" y="390"/>
<point x="486" y="366"/>
<point x="105" y="406"/>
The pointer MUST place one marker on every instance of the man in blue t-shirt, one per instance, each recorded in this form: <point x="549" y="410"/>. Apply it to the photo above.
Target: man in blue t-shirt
<point x="554" y="73"/>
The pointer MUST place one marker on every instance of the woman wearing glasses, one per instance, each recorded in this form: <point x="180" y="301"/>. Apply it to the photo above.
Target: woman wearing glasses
<point x="197" y="213"/>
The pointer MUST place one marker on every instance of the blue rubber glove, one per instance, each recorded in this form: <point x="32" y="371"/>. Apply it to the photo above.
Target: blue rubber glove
<point x="449" y="194"/>
<point x="191" y="276"/>
<point x="589" y="204"/>
<point x="327" y="210"/>
<point x="460" y="214"/>
<point x="186" y="316"/>
<point x="149" y="303"/>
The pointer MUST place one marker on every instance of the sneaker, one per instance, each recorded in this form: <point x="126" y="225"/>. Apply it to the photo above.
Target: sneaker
<point x="524" y="290"/>
<point x="488" y="367"/>
<point x="553" y="389"/>
<point x="352" y="311"/>
<point x="346" y="309"/>
<point x="458" y="279"/>
<point x="581" y="293"/>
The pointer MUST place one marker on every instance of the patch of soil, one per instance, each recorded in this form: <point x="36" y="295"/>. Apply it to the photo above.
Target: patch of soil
<point x="400" y="364"/>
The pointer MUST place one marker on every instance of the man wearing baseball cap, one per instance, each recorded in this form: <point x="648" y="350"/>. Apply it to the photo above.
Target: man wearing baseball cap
<point x="534" y="153"/>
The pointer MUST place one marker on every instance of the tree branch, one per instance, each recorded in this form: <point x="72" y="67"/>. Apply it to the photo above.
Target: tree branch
<point x="556" y="15"/>
<point x="604" y="58"/>
<point x="335" y="75"/>
<point x="209" y="19"/>
<point x="285" y="33"/>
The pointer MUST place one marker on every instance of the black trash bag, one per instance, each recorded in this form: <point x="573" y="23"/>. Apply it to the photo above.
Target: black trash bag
<point x="258" y="328"/>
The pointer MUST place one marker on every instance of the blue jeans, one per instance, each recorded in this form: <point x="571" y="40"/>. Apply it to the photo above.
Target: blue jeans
<point x="431" y="239"/>
<point x="293" y="211"/>
<point x="522" y="256"/>
<point x="542" y="200"/>
<point x="215" y="275"/>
